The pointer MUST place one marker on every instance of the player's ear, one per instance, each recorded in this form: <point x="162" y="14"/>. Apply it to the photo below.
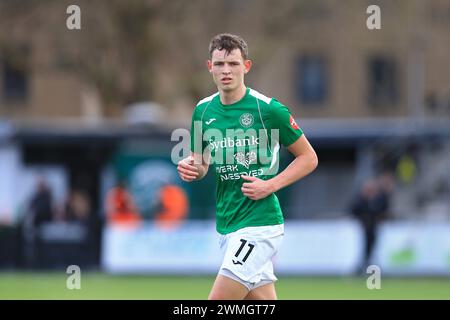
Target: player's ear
<point x="209" y="65"/>
<point x="247" y="65"/>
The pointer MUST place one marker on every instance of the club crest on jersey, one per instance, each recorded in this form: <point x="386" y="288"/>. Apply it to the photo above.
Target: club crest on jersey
<point x="246" y="119"/>
<point x="293" y="123"/>
<point x="245" y="159"/>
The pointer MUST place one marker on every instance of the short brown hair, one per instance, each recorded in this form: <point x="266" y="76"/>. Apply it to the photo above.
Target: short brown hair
<point x="228" y="42"/>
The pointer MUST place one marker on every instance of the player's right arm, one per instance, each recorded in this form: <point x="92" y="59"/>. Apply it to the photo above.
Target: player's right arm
<point x="195" y="167"/>
<point x="192" y="168"/>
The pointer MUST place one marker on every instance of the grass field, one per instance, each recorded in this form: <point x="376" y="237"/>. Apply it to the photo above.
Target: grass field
<point x="101" y="286"/>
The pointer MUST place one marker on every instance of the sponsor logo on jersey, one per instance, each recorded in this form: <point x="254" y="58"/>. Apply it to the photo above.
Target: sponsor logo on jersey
<point x="245" y="159"/>
<point x="293" y="123"/>
<point x="246" y="119"/>
<point x="230" y="143"/>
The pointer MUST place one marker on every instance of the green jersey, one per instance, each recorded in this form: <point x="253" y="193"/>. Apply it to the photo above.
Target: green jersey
<point x="243" y="138"/>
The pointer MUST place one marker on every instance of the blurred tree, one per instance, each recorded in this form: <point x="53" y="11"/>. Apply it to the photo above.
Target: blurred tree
<point x="114" y="50"/>
<point x="150" y="49"/>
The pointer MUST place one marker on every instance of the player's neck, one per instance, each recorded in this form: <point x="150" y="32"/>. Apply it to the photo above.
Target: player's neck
<point x="230" y="97"/>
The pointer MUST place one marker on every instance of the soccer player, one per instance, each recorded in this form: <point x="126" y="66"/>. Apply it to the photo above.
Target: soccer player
<point x="238" y="130"/>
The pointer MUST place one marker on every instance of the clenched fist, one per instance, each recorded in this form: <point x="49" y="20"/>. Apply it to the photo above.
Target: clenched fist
<point x="187" y="170"/>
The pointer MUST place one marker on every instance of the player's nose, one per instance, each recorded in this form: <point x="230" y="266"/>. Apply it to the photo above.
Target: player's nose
<point x="226" y="70"/>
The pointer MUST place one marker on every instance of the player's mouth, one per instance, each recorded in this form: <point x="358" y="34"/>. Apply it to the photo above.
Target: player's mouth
<point x="226" y="80"/>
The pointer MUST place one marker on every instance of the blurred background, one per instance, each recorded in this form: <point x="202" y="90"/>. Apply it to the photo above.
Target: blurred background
<point x="86" y="123"/>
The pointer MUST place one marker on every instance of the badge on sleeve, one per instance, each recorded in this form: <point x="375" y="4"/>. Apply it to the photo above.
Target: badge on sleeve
<point x="293" y="123"/>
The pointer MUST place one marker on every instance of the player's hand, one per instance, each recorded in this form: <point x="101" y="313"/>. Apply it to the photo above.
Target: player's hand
<point x="186" y="169"/>
<point x="256" y="188"/>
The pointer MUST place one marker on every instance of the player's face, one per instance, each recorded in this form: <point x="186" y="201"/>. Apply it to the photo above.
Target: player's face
<point x="228" y="69"/>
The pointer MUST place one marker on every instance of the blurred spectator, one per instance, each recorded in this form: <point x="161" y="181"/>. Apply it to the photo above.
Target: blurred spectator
<point x="120" y="207"/>
<point x="77" y="208"/>
<point x="40" y="211"/>
<point x="41" y="204"/>
<point x="174" y="206"/>
<point x="371" y="206"/>
<point x="406" y="169"/>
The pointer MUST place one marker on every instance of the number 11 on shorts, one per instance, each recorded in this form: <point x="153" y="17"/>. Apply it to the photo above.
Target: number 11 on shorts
<point x="243" y="243"/>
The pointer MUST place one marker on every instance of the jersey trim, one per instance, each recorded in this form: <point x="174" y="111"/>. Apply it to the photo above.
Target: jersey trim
<point x="207" y="98"/>
<point x="260" y="96"/>
<point x="275" y="151"/>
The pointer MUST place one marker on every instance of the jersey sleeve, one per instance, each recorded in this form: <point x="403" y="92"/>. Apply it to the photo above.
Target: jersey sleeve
<point x="197" y="143"/>
<point x="282" y="119"/>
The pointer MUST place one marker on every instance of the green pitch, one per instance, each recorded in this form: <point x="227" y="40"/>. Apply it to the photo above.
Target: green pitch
<point x="102" y="286"/>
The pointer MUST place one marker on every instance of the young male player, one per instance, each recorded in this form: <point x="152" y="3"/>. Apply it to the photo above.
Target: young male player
<point x="239" y="130"/>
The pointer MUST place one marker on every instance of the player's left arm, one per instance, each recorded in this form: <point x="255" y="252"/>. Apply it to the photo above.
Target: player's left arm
<point x="304" y="163"/>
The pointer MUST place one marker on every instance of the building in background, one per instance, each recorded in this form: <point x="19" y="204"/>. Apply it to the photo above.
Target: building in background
<point x="318" y="57"/>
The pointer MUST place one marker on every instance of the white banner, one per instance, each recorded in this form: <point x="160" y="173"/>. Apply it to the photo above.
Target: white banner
<point x="317" y="248"/>
<point x="332" y="247"/>
<point x="192" y="248"/>
<point x="320" y="247"/>
<point x="414" y="248"/>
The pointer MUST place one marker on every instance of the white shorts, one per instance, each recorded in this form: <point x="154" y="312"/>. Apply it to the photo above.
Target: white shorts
<point x="248" y="254"/>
